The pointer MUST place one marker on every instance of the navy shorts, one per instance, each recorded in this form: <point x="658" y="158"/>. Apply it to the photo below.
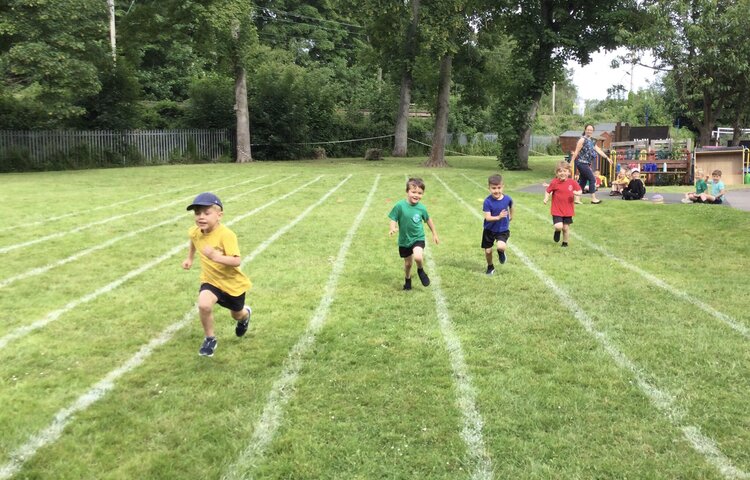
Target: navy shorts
<point x="408" y="251"/>
<point x="563" y="220"/>
<point x="235" y="304"/>
<point x="489" y="237"/>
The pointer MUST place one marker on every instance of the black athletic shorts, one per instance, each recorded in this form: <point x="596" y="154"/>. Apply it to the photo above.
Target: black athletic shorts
<point x="235" y="304"/>
<point x="563" y="220"/>
<point x="408" y="251"/>
<point x="489" y="237"/>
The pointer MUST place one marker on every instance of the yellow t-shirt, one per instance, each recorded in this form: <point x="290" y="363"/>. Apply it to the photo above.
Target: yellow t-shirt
<point x="228" y="279"/>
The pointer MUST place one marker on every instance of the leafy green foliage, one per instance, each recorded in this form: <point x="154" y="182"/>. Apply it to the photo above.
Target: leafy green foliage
<point x="50" y="54"/>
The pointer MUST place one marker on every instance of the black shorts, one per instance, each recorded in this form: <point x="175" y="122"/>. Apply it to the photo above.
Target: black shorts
<point x="235" y="304"/>
<point x="718" y="201"/>
<point x="489" y="237"/>
<point x="563" y="220"/>
<point x="408" y="251"/>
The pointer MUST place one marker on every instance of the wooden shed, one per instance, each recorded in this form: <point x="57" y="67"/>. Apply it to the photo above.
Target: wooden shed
<point x="727" y="159"/>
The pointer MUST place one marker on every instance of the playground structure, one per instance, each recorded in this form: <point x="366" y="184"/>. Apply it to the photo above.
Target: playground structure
<point x="734" y="163"/>
<point x="661" y="162"/>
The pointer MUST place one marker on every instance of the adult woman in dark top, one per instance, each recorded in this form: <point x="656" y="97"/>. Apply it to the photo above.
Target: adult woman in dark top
<point x="583" y="156"/>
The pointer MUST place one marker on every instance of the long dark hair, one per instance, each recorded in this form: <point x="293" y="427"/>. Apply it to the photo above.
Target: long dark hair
<point x="585" y="127"/>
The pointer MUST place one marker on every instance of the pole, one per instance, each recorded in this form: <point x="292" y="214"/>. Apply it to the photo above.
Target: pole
<point x="112" y="36"/>
<point x="554" y="87"/>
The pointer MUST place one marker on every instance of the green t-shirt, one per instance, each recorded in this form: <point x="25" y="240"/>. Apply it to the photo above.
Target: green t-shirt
<point x="409" y="218"/>
<point x="700" y="186"/>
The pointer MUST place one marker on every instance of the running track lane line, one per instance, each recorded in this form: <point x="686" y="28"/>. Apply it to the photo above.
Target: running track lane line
<point x="471" y="432"/>
<point x="283" y="387"/>
<point x="54" y="315"/>
<point x="9" y="248"/>
<point x="729" y="321"/>
<point x="662" y="399"/>
<point x="62" y="418"/>
<point x="93" y="209"/>
<point x="82" y="253"/>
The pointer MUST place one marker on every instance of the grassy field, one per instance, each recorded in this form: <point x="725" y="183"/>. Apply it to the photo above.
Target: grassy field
<point x="624" y="356"/>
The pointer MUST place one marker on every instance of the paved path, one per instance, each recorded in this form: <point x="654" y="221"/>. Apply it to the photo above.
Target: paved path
<point x="739" y="199"/>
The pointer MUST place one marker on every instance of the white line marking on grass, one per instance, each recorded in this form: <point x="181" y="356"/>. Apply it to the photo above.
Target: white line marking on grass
<point x="283" y="388"/>
<point x="78" y="255"/>
<point x="729" y="321"/>
<point x="472" y="419"/>
<point x="93" y="209"/>
<point x="52" y="316"/>
<point x="63" y="417"/>
<point x="662" y="399"/>
<point x="16" y="246"/>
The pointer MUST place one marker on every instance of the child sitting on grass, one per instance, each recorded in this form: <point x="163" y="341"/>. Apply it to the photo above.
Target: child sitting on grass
<point x="717" y="190"/>
<point x="635" y="190"/>
<point x="619" y="183"/>
<point x="700" y="187"/>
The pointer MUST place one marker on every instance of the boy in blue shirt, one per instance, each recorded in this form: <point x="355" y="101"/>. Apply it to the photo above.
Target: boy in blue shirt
<point x="498" y="212"/>
<point x="717" y="190"/>
<point x="406" y="219"/>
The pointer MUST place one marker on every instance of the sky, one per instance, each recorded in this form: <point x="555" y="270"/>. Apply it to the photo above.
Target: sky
<point x="593" y="80"/>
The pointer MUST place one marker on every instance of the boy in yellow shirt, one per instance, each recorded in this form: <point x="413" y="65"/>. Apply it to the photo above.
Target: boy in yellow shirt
<point x="222" y="281"/>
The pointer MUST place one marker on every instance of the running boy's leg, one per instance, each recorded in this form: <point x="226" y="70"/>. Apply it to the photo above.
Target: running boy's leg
<point x="206" y="301"/>
<point x="419" y="259"/>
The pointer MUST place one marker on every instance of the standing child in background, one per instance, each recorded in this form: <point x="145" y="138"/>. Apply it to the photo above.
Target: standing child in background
<point x="619" y="183"/>
<point x="406" y="219"/>
<point x="635" y="190"/>
<point x="717" y="190"/>
<point x="700" y="187"/>
<point x="221" y="279"/>
<point x="498" y="212"/>
<point x="563" y="190"/>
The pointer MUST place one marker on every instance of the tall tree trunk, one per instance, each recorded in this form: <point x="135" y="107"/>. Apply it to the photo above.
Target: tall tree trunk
<point x="243" y="116"/>
<point x="401" y="134"/>
<point x="437" y="153"/>
<point x="402" y="120"/>
<point x="524" y="140"/>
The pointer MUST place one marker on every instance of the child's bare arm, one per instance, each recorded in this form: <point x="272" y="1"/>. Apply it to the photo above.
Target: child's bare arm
<point x="217" y="257"/>
<point x="394" y="227"/>
<point x="188" y="262"/>
<point x="546" y="197"/>
<point x="434" y="231"/>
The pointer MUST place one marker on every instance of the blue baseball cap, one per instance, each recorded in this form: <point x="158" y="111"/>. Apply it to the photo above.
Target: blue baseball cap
<point x="205" y="199"/>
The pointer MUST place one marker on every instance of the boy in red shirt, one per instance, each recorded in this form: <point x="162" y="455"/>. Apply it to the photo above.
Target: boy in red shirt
<point x="564" y="191"/>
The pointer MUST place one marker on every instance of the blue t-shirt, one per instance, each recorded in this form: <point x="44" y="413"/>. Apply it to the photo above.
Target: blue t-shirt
<point x="495" y="207"/>
<point x="716" y="188"/>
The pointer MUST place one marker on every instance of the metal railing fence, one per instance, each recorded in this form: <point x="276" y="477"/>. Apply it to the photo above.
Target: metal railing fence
<point x="66" y="149"/>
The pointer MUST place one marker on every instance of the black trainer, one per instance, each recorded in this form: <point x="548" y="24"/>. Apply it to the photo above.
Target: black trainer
<point x="242" y="326"/>
<point x="423" y="277"/>
<point x="564" y="244"/>
<point x="502" y="256"/>
<point x="490" y="269"/>
<point x="407" y="284"/>
<point x="556" y="236"/>
<point x="208" y="347"/>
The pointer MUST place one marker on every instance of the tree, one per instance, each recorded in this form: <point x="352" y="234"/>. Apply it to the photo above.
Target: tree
<point x="698" y="41"/>
<point x="446" y="28"/>
<point x="546" y="34"/>
<point x="51" y="54"/>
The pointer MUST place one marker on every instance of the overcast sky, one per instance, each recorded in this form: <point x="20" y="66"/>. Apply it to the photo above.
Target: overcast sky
<point x="594" y="79"/>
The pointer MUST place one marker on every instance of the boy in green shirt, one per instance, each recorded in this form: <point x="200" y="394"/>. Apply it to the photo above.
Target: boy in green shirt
<point x="700" y="187"/>
<point x="406" y="219"/>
